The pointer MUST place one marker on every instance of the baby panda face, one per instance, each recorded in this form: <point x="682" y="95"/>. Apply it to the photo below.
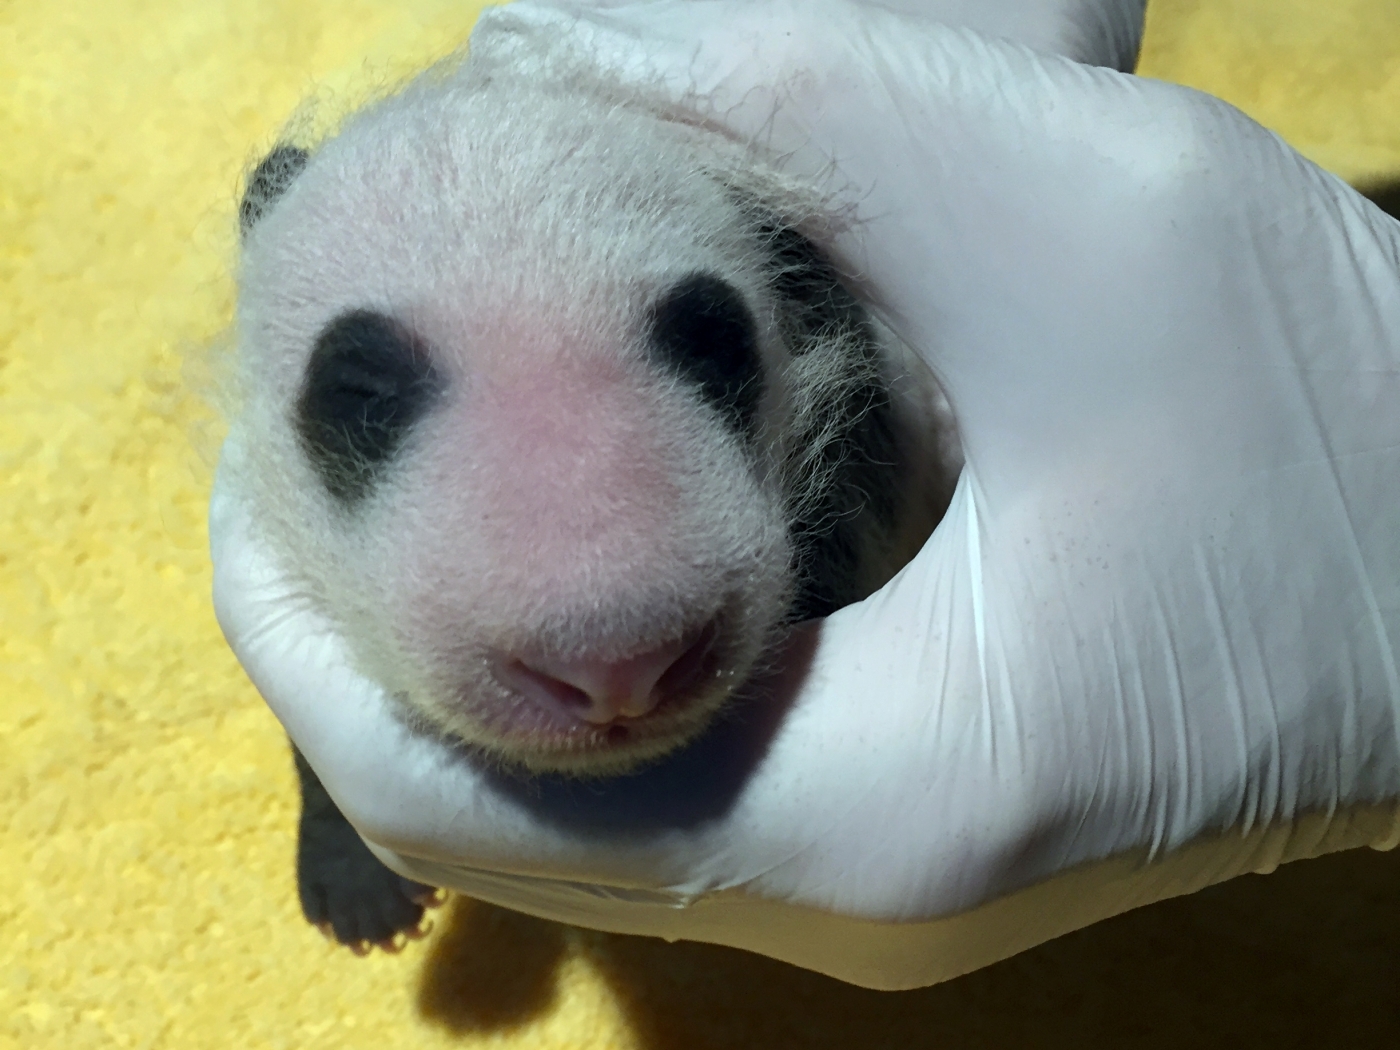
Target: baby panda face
<point x="549" y="407"/>
<point x="564" y="548"/>
<point x="517" y="400"/>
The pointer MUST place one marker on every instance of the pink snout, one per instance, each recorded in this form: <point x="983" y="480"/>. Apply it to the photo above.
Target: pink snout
<point x="602" y="692"/>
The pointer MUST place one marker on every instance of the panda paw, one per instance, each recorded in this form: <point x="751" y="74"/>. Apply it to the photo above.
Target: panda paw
<point x="348" y="893"/>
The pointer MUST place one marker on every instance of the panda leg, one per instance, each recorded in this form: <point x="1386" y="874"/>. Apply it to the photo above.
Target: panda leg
<point x="345" y="890"/>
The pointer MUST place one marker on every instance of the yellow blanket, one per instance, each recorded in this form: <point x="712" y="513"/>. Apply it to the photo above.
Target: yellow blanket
<point x="146" y="795"/>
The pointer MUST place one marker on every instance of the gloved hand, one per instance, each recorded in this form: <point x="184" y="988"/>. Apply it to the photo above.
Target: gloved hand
<point x="1153" y="643"/>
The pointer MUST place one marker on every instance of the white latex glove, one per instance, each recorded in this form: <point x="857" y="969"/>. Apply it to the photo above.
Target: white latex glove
<point x="1153" y="643"/>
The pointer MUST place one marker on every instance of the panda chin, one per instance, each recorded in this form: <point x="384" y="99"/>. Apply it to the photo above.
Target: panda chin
<point x="616" y="749"/>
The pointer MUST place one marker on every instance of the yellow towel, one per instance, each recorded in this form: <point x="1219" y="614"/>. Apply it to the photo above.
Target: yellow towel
<point x="146" y="796"/>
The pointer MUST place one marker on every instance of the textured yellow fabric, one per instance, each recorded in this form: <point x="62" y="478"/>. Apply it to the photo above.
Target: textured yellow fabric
<point x="146" y="798"/>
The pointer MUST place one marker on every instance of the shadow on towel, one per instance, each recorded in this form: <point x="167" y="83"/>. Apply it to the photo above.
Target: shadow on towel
<point x="1384" y="195"/>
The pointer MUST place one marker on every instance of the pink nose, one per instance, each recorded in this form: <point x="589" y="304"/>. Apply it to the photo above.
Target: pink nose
<point x="604" y="691"/>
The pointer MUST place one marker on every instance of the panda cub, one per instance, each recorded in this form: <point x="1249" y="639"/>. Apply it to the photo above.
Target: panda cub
<point x="552" y="403"/>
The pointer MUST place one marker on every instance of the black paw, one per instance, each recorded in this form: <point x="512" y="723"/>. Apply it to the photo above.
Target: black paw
<point x="345" y="890"/>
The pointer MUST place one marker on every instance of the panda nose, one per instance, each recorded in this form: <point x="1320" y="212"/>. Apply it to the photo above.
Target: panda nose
<point x="602" y="691"/>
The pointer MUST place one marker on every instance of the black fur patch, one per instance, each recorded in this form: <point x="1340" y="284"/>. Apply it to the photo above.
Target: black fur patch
<point x="860" y="497"/>
<point x="703" y="330"/>
<point x="367" y="383"/>
<point x="342" y="884"/>
<point x="809" y="287"/>
<point x="268" y="182"/>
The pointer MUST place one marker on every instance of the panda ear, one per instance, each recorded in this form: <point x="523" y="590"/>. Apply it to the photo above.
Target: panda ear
<point x="268" y="182"/>
<point x="801" y="275"/>
<point x="816" y="301"/>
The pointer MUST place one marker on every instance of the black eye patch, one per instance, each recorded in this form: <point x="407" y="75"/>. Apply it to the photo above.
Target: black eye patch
<point x="703" y="330"/>
<point x="367" y="383"/>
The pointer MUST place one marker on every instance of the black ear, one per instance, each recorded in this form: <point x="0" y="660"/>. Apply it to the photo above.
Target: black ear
<point x="268" y="182"/>
<point x="815" y="301"/>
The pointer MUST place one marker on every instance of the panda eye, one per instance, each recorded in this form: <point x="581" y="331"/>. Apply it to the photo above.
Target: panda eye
<point x="368" y="381"/>
<point x="702" y="329"/>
